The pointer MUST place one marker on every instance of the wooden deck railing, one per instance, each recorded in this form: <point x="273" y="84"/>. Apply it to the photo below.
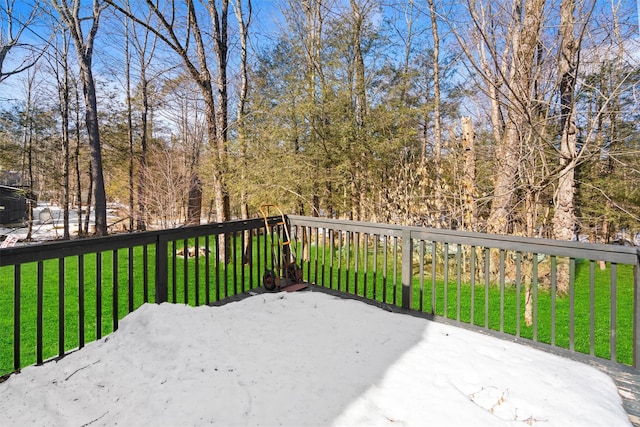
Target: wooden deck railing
<point x="56" y="297"/>
<point x="582" y="297"/>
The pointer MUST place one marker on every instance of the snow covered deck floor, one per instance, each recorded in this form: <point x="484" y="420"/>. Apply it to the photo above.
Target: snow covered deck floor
<point x="627" y="379"/>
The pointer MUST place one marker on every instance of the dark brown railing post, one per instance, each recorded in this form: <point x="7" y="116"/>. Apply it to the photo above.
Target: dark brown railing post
<point x="407" y="262"/>
<point x="162" y="269"/>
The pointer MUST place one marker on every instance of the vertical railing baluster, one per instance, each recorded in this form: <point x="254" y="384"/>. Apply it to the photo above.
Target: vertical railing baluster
<point x="636" y="314"/>
<point x="376" y="238"/>
<point x="303" y="248"/>
<point x="572" y="304"/>
<point x="130" y="280"/>
<point x="225" y="267"/>
<point x="487" y="274"/>
<point x="502" y="267"/>
<point x="234" y="250"/>
<point x="279" y="248"/>
<point x="174" y="272"/>
<point x="305" y="253"/>
<point x="17" y="296"/>
<point x="207" y="272"/>
<point x="248" y="257"/>
<point x="458" y="280"/>
<point x="185" y="270"/>
<point x="61" y="278"/>
<point x="317" y="257"/>
<point x="115" y="289"/>
<point x="518" y="290"/>
<point x="592" y="308"/>
<point x="39" y="312"/>
<point x="613" y="312"/>
<point x="331" y="256"/>
<point x="217" y="260"/>
<point x="534" y="285"/>
<point x="265" y="243"/>
<point x="434" y="305"/>
<point x="356" y="243"/>
<point x="145" y="273"/>
<point x="324" y="256"/>
<point x="553" y="299"/>
<point x="473" y="285"/>
<point x="197" y="271"/>
<point x="81" y="317"/>
<point x="339" y="269"/>
<point x="347" y="260"/>
<point x="445" y="277"/>
<point x="98" y="295"/>
<point x="421" y="250"/>
<point x="385" y="243"/>
<point x="365" y="246"/>
<point x="259" y="265"/>
<point x="406" y="292"/>
<point x="395" y="270"/>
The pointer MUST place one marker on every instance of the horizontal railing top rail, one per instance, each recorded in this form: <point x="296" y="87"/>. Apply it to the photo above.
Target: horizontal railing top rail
<point x="66" y="248"/>
<point x="560" y="248"/>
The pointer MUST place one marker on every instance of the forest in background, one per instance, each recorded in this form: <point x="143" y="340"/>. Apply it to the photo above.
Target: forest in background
<point x="516" y="117"/>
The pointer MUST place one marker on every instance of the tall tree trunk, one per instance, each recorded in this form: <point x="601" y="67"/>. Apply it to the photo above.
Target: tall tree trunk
<point x="243" y="25"/>
<point x="77" y="161"/>
<point x="219" y="19"/>
<point x="132" y="153"/>
<point x="358" y="167"/>
<point x="520" y="85"/>
<point x="65" y="151"/>
<point x="28" y="146"/>
<point x="194" y="200"/>
<point x="316" y="90"/>
<point x="141" y="223"/>
<point x="70" y="17"/>
<point x="145" y="47"/>
<point x="91" y="119"/>
<point x="564" y="221"/>
<point x="437" y="127"/>
<point x="564" y="215"/>
<point x="89" y="200"/>
<point x="61" y="70"/>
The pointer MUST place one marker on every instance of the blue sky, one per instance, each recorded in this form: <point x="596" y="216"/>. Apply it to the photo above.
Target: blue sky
<point x="267" y="21"/>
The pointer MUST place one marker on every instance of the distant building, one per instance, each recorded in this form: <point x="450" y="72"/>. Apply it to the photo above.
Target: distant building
<point x="14" y="204"/>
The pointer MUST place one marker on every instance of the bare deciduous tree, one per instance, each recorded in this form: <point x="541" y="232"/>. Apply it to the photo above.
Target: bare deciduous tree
<point x="199" y="70"/>
<point x="70" y="16"/>
<point x="14" y="23"/>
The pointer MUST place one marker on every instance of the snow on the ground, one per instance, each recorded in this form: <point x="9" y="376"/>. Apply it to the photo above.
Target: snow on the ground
<point x="48" y="224"/>
<point x="305" y="359"/>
